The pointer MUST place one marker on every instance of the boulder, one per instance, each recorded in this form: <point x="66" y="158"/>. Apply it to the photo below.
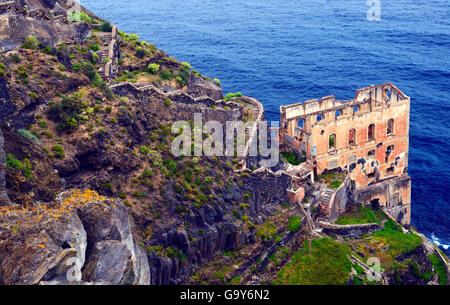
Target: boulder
<point x="83" y="238"/>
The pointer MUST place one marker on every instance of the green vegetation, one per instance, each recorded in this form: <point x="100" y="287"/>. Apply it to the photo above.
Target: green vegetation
<point x="399" y="242"/>
<point x="66" y="113"/>
<point x="24" y="166"/>
<point x="292" y="158"/>
<point x="165" y="74"/>
<point x="229" y="96"/>
<point x="326" y="264"/>
<point x="77" y="17"/>
<point x="333" y="179"/>
<point x="106" y="27"/>
<point x="29" y="135"/>
<point x="58" y="151"/>
<point x="364" y="214"/>
<point x="2" y="68"/>
<point x="295" y="223"/>
<point x="144" y="150"/>
<point x="266" y="231"/>
<point x="439" y="268"/>
<point x="30" y="43"/>
<point x="153" y="68"/>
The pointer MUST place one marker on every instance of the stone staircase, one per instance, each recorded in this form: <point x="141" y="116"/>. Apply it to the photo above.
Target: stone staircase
<point x="103" y="53"/>
<point x="325" y="200"/>
<point x="326" y="196"/>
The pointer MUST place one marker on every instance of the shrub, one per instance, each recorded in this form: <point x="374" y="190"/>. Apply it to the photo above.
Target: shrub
<point x="183" y="76"/>
<point x="28" y="135"/>
<point x="167" y="102"/>
<point x="77" y="17"/>
<point x="217" y="82"/>
<point x="94" y="47"/>
<point x="59" y="151"/>
<point x="106" y="27"/>
<point x="186" y="65"/>
<point x="165" y="74"/>
<point x="95" y="58"/>
<point x="30" y="43"/>
<point x="42" y="123"/>
<point x="138" y="194"/>
<point x="48" y="50"/>
<point x="153" y="68"/>
<point x="140" y="52"/>
<point x="295" y="223"/>
<point x="65" y="113"/>
<point x="90" y="71"/>
<point x="229" y="96"/>
<point x="170" y="164"/>
<point x="33" y="95"/>
<point x="24" y="166"/>
<point x="144" y="150"/>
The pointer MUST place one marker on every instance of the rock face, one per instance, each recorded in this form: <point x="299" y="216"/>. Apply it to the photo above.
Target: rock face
<point x="199" y="86"/>
<point x="4" y="199"/>
<point x="353" y="231"/>
<point x="84" y="238"/>
<point x="266" y="190"/>
<point x="18" y="23"/>
<point x="6" y="106"/>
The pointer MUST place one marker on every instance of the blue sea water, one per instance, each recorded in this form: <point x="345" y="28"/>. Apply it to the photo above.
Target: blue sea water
<point x="286" y="51"/>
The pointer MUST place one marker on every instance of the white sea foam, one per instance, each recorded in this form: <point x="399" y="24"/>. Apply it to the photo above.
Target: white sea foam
<point x="438" y="242"/>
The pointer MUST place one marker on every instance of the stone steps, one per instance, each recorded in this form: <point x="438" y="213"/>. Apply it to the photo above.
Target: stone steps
<point x="326" y="196"/>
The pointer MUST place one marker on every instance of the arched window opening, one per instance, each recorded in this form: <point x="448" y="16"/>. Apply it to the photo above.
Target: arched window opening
<point x="371" y="132"/>
<point x="332" y="141"/>
<point x="355" y="109"/>
<point x="387" y="94"/>
<point x="338" y="113"/>
<point x="390" y="126"/>
<point x="352" y="137"/>
<point x="319" y="117"/>
<point x="300" y="123"/>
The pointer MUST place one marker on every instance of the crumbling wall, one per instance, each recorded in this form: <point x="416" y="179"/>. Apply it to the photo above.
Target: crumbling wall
<point x="367" y="136"/>
<point x="393" y="195"/>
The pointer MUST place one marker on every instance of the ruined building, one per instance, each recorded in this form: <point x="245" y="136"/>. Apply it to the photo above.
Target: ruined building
<point x="366" y="137"/>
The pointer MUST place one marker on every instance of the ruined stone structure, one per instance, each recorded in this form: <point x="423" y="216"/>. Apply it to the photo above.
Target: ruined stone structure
<point x="367" y="137"/>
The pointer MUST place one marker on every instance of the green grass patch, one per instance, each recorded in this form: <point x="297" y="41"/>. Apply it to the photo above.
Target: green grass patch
<point x="292" y="158"/>
<point x="266" y="231"/>
<point x="295" y="223"/>
<point x="399" y="242"/>
<point x="361" y="215"/>
<point x="439" y="268"/>
<point x="327" y="264"/>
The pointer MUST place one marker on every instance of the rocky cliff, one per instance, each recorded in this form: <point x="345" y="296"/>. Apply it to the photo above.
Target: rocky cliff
<point x="90" y="192"/>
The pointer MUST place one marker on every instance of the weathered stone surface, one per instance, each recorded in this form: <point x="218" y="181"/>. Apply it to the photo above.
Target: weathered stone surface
<point x="15" y="28"/>
<point x="38" y="247"/>
<point x="4" y="199"/>
<point x="51" y="244"/>
<point x="6" y="106"/>
<point x="353" y="231"/>
<point x="198" y="86"/>
<point x="109" y="263"/>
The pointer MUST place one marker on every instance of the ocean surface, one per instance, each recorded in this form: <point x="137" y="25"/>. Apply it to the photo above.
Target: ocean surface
<point x="287" y="51"/>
